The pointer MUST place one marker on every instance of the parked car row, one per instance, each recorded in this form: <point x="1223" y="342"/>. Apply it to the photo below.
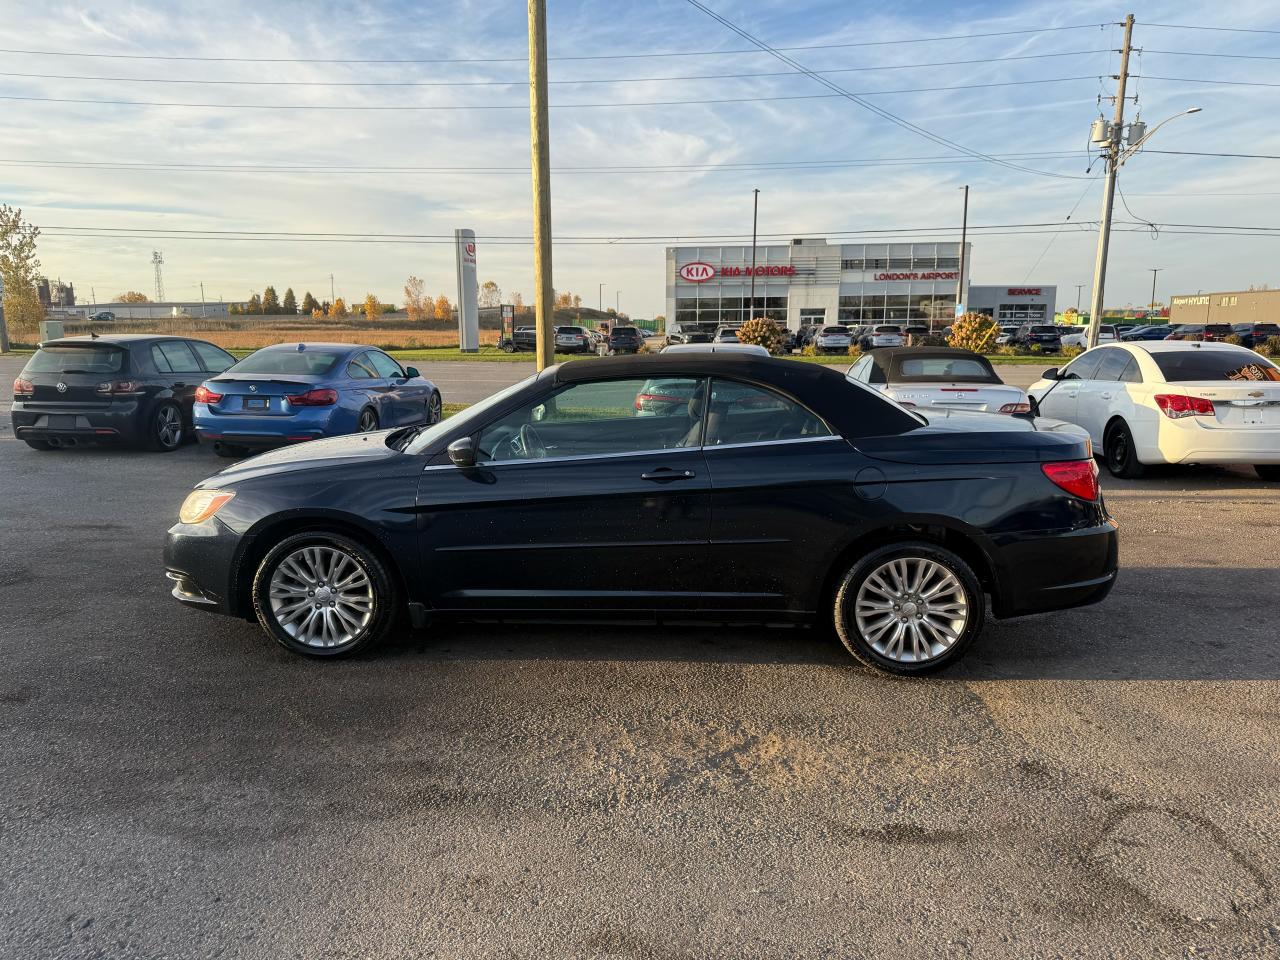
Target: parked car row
<point x="157" y="391"/>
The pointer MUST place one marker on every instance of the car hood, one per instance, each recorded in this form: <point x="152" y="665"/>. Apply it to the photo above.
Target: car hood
<point x="358" y="447"/>
<point x="964" y="436"/>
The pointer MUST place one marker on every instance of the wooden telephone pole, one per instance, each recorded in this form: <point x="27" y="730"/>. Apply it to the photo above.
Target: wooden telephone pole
<point x="540" y="148"/>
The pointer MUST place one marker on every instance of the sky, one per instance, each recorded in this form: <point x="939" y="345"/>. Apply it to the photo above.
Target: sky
<point x="104" y="179"/>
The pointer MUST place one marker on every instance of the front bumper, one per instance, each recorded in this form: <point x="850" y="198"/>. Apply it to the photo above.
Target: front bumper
<point x="1054" y="571"/>
<point x="201" y="559"/>
<point x="116" y="422"/>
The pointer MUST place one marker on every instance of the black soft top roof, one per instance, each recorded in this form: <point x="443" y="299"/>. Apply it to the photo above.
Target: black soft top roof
<point x="889" y="359"/>
<point x="849" y="408"/>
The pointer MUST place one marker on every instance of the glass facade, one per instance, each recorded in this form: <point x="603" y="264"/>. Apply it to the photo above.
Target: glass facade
<point x="873" y="307"/>
<point x="710" y="307"/>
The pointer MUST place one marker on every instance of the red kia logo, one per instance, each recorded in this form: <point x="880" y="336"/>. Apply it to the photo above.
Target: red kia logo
<point x="471" y="249"/>
<point x="697" y="272"/>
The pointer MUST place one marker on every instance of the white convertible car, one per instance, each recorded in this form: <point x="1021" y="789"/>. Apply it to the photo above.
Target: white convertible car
<point x="932" y="377"/>
<point x="1170" y="401"/>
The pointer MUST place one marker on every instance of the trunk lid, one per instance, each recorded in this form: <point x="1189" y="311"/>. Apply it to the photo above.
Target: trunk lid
<point x="68" y="373"/>
<point x="259" y="396"/>
<point x="979" y="397"/>
<point x="1237" y="404"/>
<point x="956" y="436"/>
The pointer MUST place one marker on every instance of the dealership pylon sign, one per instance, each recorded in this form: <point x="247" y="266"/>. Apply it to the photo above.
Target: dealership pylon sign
<point x="468" y="309"/>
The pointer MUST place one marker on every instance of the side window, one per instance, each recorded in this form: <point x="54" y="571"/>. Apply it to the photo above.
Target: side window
<point x="361" y="368"/>
<point x="1131" y="373"/>
<point x="159" y="360"/>
<point x="387" y="368"/>
<point x="1112" y="365"/>
<point x="859" y="370"/>
<point x="1083" y="366"/>
<point x="177" y="357"/>
<point x="214" y="359"/>
<point x="875" y="374"/>
<point x="743" y="413"/>
<point x="604" y="417"/>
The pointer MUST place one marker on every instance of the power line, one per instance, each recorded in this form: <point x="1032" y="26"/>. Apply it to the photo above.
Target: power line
<point x="1206" y="153"/>
<point x="524" y="59"/>
<point x="1224" y="56"/>
<point x="1187" y="26"/>
<point x="521" y="83"/>
<point x="484" y="106"/>
<point x="855" y="98"/>
<point x="1228" y="83"/>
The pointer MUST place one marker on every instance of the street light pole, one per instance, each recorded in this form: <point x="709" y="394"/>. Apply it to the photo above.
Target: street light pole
<point x="1079" y="287"/>
<point x="964" y="239"/>
<point x="1154" y="271"/>
<point x="600" y="297"/>
<point x="617" y="302"/>
<point x="755" y="217"/>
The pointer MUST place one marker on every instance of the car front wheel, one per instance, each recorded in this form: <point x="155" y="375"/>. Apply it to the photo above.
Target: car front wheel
<point x="323" y="594"/>
<point x="1119" y="453"/>
<point x="909" y="608"/>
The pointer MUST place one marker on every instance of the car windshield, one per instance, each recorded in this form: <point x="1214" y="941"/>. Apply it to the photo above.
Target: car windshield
<point x="1182" y="366"/>
<point x="477" y="411"/>
<point x="96" y="359"/>
<point x="293" y="362"/>
<point x="944" y="368"/>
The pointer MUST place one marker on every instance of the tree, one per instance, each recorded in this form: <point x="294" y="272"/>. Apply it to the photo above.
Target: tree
<point x="18" y="266"/>
<point x="762" y="331"/>
<point x="444" y="309"/>
<point x="317" y="313"/>
<point x="132" y="296"/>
<point x="660" y="321"/>
<point x="416" y="302"/>
<point x="338" y="310"/>
<point x="517" y="300"/>
<point x="233" y="309"/>
<point x="577" y="301"/>
<point x="309" y="304"/>
<point x="563" y="301"/>
<point x="270" y="301"/>
<point x="254" y="305"/>
<point x="490" y="294"/>
<point x="974" y="331"/>
<point x="372" y="308"/>
<point x="290" y="303"/>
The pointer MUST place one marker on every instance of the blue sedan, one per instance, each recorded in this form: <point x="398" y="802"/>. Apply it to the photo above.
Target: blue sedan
<point x="302" y="391"/>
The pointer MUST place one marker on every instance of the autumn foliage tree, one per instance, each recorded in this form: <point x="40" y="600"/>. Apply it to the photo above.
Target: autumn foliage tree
<point x="132" y="296"/>
<point x="444" y="309"/>
<point x="372" y="308"/>
<point x="490" y="294"/>
<point x="417" y="304"/>
<point x="254" y="305"/>
<point x="18" y="266"/>
<point x="338" y="309"/>
<point x="270" y="301"/>
<point x="974" y="331"/>
<point x="764" y="332"/>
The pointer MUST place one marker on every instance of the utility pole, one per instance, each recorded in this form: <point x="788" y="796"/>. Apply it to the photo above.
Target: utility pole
<point x="332" y="296"/>
<point x="1154" y="271"/>
<point x="93" y="293"/>
<point x="600" y="298"/>
<point x="1112" y="160"/>
<point x="964" y="239"/>
<point x="203" y="313"/>
<point x="617" y="302"/>
<point x="540" y="154"/>
<point x="755" y="216"/>
<point x="1079" y="287"/>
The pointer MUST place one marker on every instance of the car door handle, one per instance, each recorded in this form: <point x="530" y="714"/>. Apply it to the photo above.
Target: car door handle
<point x="1105" y="396"/>
<point x="667" y="475"/>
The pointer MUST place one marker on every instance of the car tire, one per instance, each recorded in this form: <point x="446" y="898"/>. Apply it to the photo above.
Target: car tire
<point x="368" y="421"/>
<point x="229" y="450"/>
<point x="1119" y="454"/>
<point x="38" y="443"/>
<point x="355" y="619"/>
<point x="165" y="429"/>
<point x="884" y="576"/>
<point x="435" y="409"/>
<point x="1267" y="471"/>
<point x="508" y="346"/>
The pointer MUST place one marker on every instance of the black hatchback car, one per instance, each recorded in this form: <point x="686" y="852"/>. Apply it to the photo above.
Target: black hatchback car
<point x="780" y="491"/>
<point x="135" y="389"/>
<point x="1046" y="336"/>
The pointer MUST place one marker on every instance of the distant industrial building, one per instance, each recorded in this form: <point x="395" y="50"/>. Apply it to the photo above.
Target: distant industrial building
<point x="158" y="311"/>
<point x="54" y="294"/>
<point x="1235" y="306"/>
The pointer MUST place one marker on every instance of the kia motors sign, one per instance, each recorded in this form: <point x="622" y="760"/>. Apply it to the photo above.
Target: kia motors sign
<point x="697" y="272"/>
<point x="468" y="311"/>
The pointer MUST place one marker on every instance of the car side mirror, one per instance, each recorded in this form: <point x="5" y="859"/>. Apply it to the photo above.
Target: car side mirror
<point x="411" y="372"/>
<point x="1050" y="374"/>
<point x="462" y="452"/>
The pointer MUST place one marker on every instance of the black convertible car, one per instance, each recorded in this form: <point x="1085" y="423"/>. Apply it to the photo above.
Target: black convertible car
<point x="764" y="489"/>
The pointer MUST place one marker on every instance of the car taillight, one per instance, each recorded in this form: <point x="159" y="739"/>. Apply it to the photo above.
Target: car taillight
<point x="1176" y="406"/>
<point x="1078" y="477"/>
<point x="120" y="387"/>
<point x="23" y="388"/>
<point x="1016" y="408"/>
<point x="643" y="398"/>
<point x="205" y="395"/>
<point x="314" y="398"/>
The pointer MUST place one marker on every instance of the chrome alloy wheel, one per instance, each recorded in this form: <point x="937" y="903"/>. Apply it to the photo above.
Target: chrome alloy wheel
<point x="911" y="609"/>
<point x="321" y="596"/>
<point x="169" y="426"/>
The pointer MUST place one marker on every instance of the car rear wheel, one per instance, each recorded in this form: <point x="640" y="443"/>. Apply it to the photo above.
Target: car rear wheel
<point x="322" y="594"/>
<point x="166" y="430"/>
<point x="1119" y="453"/>
<point x="909" y="608"/>
<point x="435" y="409"/>
<point x="368" y="421"/>
<point x="508" y="346"/>
<point x="1267" y="471"/>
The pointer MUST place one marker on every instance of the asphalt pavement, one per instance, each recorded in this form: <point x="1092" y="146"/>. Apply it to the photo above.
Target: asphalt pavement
<point x="1100" y="782"/>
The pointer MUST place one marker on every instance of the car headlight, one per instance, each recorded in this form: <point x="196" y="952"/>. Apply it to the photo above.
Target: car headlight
<point x="200" y="505"/>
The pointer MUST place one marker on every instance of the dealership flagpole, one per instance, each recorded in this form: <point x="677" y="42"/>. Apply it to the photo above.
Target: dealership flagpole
<point x="755" y="215"/>
<point x="540" y="149"/>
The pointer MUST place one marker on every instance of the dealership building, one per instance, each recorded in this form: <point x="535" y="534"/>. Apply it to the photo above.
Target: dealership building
<point x="1236" y="306"/>
<point x="811" y="281"/>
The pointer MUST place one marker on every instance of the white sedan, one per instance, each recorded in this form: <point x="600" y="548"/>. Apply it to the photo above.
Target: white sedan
<point x="1170" y="401"/>
<point x="1106" y="334"/>
<point x="933" y="377"/>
